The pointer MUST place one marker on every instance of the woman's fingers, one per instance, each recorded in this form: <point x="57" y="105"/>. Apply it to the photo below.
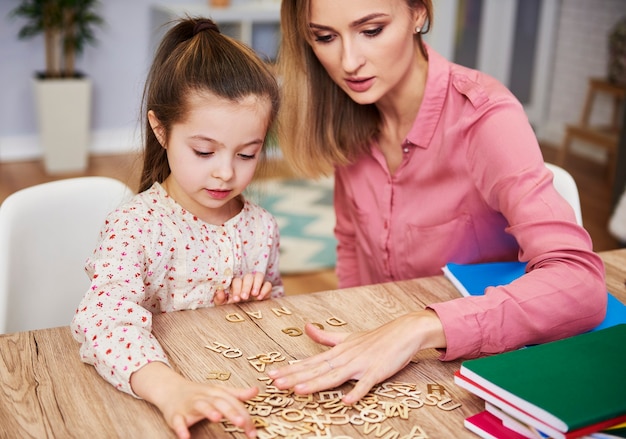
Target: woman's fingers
<point x="318" y="372"/>
<point x="324" y="337"/>
<point x="369" y="357"/>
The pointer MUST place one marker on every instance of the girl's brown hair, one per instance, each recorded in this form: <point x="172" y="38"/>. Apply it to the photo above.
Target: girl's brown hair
<point x="320" y="125"/>
<point x="194" y="57"/>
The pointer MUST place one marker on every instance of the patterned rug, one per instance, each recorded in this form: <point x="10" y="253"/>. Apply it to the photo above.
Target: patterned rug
<point x="305" y="216"/>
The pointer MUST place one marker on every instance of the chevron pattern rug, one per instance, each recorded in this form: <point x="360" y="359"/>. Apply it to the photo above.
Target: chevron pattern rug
<point x="305" y="215"/>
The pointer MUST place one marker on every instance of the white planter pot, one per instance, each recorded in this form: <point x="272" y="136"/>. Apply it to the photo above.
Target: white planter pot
<point x="64" y="115"/>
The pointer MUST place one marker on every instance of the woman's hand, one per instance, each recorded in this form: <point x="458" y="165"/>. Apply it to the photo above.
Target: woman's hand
<point x="369" y="357"/>
<point x="183" y="402"/>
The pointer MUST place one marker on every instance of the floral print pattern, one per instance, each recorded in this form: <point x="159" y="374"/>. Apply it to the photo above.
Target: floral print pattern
<point x="153" y="256"/>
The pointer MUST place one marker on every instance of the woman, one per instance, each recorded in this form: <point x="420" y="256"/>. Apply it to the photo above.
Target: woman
<point x="434" y="163"/>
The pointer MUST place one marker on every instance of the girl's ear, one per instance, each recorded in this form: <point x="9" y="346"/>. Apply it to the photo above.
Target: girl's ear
<point x="157" y="128"/>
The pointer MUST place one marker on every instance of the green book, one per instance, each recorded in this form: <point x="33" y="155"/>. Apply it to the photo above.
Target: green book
<point x="567" y="384"/>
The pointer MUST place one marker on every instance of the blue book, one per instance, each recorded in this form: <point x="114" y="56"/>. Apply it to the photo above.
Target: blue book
<point x="472" y="279"/>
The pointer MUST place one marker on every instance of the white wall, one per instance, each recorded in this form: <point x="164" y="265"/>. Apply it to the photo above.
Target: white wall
<point x="118" y="65"/>
<point x="581" y="53"/>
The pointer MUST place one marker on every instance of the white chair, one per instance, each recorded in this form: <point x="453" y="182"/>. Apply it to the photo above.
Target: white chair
<point x="47" y="232"/>
<point x="565" y="185"/>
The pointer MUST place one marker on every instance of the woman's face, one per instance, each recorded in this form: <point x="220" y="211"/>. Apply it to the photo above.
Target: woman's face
<point x="368" y="47"/>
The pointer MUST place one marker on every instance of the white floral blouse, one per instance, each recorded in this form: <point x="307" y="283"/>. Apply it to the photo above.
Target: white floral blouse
<point x="153" y="256"/>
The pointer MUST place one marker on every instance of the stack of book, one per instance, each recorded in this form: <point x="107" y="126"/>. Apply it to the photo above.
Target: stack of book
<point x="564" y="389"/>
<point x="570" y="388"/>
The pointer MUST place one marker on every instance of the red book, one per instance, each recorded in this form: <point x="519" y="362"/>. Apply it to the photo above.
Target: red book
<point x="488" y="426"/>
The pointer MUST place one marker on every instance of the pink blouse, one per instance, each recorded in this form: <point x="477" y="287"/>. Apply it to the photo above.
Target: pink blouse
<point x="154" y="257"/>
<point x="472" y="187"/>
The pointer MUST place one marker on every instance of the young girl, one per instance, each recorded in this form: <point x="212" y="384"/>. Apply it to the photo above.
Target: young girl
<point x="188" y="239"/>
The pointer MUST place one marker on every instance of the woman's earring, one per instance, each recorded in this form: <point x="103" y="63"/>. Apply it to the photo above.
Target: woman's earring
<point x="418" y="29"/>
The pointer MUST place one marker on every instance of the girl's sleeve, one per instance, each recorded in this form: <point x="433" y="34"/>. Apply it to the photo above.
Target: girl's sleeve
<point x="113" y="328"/>
<point x="563" y="292"/>
<point x="347" y="261"/>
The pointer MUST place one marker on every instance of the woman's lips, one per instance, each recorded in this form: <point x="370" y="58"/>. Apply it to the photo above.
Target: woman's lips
<point x="359" y="84"/>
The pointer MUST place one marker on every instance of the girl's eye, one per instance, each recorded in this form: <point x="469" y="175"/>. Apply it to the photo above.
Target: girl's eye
<point x="247" y="156"/>
<point x="373" y="32"/>
<point x="202" y="153"/>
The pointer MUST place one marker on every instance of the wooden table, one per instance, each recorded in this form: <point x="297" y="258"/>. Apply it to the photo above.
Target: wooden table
<point x="48" y="392"/>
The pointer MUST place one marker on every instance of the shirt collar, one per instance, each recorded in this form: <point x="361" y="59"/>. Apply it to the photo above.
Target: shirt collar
<point x="435" y="94"/>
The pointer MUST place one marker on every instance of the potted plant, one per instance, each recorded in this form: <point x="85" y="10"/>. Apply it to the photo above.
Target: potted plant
<point x="63" y="95"/>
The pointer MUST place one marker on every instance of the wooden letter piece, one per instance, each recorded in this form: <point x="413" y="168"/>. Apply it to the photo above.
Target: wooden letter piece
<point x="255" y="314"/>
<point x="413" y="402"/>
<point x="395" y="409"/>
<point x="234" y="317"/>
<point x="218" y="347"/>
<point x="292" y="332"/>
<point x="436" y="388"/>
<point x="379" y="430"/>
<point x="232" y="353"/>
<point x="281" y="310"/>
<point x="372" y="416"/>
<point x="292" y="415"/>
<point x="329" y="395"/>
<point x="218" y="375"/>
<point x="334" y="321"/>
<point x="444" y="404"/>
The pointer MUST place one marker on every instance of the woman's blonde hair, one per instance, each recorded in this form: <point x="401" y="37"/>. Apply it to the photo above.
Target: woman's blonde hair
<point x="320" y="126"/>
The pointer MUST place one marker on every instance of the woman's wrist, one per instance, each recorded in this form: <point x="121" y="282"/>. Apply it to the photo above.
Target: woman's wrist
<point x="427" y="330"/>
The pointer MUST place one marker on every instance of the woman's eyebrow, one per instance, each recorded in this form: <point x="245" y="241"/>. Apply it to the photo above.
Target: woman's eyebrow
<point x="355" y="23"/>
<point x="367" y="18"/>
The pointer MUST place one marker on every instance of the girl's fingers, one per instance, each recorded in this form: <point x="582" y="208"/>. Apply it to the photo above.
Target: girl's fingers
<point x="230" y="406"/>
<point x="247" y="286"/>
<point x="257" y="280"/>
<point x="265" y="291"/>
<point x="220" y="297"/>
<point x="180" y="427"/>
<point x="235" y="290"/>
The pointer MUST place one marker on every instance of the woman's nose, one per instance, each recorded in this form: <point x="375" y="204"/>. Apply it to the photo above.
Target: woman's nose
<point x="351" y="57"/>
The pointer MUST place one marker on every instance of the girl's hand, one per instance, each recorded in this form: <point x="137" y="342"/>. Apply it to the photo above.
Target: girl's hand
<point x="251" y="286"/>
<point x="369" y="357"/>
<point x="183" y="402"/>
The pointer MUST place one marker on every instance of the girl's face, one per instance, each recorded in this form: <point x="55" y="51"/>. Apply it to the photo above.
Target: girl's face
<point x="213" y="153"/>
<point x="368" y="47"/>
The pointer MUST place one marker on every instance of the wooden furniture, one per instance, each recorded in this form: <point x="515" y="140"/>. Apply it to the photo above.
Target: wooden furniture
<point x="619" y="182"/>
<point x="48" y="392"/>
<point x="604" y="136"/>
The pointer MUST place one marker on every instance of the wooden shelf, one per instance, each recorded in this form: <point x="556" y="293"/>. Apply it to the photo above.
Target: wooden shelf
<point x="604" y="136"/>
